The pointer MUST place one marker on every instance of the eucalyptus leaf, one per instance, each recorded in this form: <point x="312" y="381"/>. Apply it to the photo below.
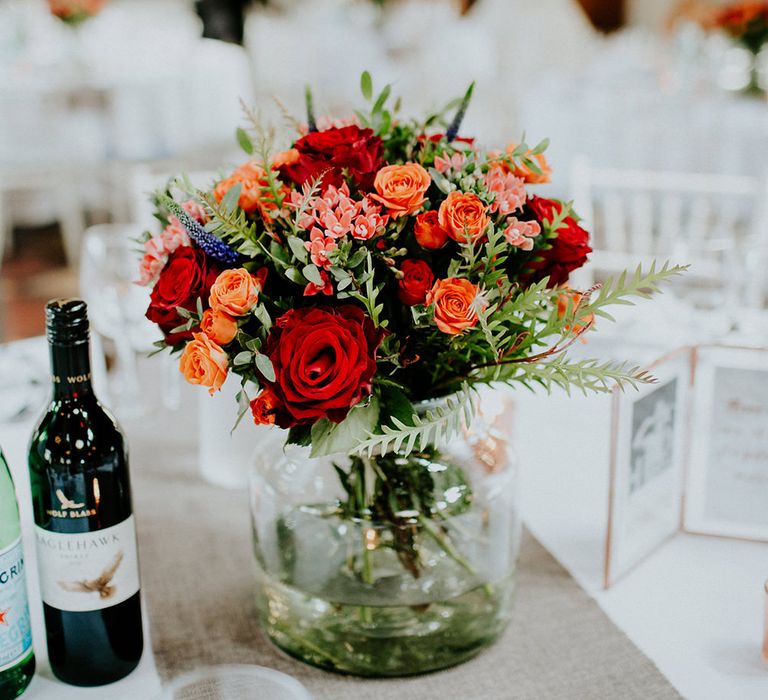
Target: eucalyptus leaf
<point x="381" y="99"/>
<point x="264" y="365"/>
<point x="520" y="150"/>
<point x="441" y="181"/>
<point x="244" y="140"/>
<point x="299" y="435"/>
<point x="313" y="275"/>
<point x="242" y="358"/>
<point x="295" y="276"/>
<point x="338" y="273"/>
<point x="542" y="146"/>
<point x="331" y="438"/>
<point x="297" y="248"/>
<point x="262" y="314"/>
<point x="358" y="258"/>
<point x="395" y="404"/>
<point x="278" y="252"/>
<point x="363" y="118"/>
<point x="231" y="198"/>
<point x="385" y="123"/>
<point x="366" y="85"/>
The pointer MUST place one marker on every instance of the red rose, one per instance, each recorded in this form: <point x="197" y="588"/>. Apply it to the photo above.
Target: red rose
<point x="569" y="250"/>
<point x="416" y="282"/>
<point x="324" y="360"/>
<point x="333" y="151"/>
<point x="187" y="275"/>
<point x="436" y="138"/>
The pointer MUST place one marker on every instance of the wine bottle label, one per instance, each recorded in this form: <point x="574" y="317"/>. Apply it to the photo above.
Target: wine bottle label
<point x="15" y="628"/>
<point x="88" y="570"/>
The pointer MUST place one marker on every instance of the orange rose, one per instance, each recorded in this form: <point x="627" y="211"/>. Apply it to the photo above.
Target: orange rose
<point x="463" y="216"/>
<point x="289" y="157"/>
<point x="523" y="171"/>
<point x="203" y="362"/>
<point x="234" y="292"/>
<point x="455" y="305"/>
<point x="254" y="189"/>
<point x="401" y="188"/>
<point x="252" y="178"/>
<point x="219" y="326"/>
<point x="264" y="407"/>
<point x="571" y="298"/>
<point x="429" y="234"/>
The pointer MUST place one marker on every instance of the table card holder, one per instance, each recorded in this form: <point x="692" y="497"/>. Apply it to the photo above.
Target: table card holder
<point x="727" y="489"/>
<point x="647" y="465"/>
<point x="689" y="454"/>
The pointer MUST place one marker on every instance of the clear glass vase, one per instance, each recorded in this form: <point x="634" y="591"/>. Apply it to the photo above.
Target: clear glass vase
<point x="388" y="565"/>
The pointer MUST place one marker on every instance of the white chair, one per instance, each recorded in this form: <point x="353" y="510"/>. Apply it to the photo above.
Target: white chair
<point x="57" y="188"/>
<point x="716" y="223"/>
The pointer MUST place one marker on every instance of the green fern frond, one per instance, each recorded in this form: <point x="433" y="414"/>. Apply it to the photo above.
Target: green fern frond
<point x="619" y="291"/>
<point x="584" y="375"/>
<point x="433" y="428"/>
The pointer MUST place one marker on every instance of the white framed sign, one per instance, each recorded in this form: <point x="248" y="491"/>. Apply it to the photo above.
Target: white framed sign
<point x="727" y="484"/>
<point x="647" y="465"/>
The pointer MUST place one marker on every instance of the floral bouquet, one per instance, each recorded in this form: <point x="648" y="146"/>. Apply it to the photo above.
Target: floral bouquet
<point x="362" y="283"/>
<point x="75" y="12"/>
<point x="746" y="23"/>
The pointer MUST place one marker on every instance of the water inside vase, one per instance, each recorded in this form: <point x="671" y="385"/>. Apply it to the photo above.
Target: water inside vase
<point x="343" y="599"/>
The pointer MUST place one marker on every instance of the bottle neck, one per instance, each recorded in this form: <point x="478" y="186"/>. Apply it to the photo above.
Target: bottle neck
<point x="71" y="370"/>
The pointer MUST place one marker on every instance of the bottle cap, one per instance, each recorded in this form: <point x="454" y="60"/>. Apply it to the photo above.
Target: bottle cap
<point x="66" y="321"/>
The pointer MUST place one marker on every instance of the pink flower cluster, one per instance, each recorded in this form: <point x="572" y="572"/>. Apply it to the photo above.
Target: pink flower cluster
<point x="520" y="233"/>
<point x="447" y="162"/>
<point x="158" y="248"/>
<point x="509" y="190"/>
<point x="336" y="214"/>
<point x="329" y="217"/>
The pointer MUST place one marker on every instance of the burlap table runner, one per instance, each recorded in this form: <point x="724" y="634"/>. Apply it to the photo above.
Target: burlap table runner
<point x="196" y="559"/>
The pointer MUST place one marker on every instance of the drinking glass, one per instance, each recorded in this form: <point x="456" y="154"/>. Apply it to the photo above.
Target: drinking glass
<point x="116" y="305"/>
<point x="236" y="682"/>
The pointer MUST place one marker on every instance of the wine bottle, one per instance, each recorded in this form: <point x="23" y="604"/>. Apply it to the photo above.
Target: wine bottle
<point x="86" y="540"/>
<point x="17" y="659"/>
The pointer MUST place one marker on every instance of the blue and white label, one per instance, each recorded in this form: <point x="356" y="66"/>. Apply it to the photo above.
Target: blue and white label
<point x="15" y="627"/>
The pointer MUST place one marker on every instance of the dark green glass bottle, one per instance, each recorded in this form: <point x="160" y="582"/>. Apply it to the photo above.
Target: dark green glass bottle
<point x="86" y="541"/>
<point x="17" y="659"/>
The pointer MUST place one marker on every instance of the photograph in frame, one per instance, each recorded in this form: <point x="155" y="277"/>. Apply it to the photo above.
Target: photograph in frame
<point x="647" y="465"/>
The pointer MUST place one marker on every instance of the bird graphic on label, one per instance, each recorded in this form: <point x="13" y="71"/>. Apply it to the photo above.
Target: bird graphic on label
<point x="3" y="614"/>
<point x="66" y="503"/>
<point x="98" y="585"/>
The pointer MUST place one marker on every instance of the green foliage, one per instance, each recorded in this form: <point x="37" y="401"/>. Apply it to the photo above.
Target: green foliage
<point x="620" y="290"/>
<point x="333" y="438"/>
<point x="434" y="427"/>
<point x="366" y="85"/>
